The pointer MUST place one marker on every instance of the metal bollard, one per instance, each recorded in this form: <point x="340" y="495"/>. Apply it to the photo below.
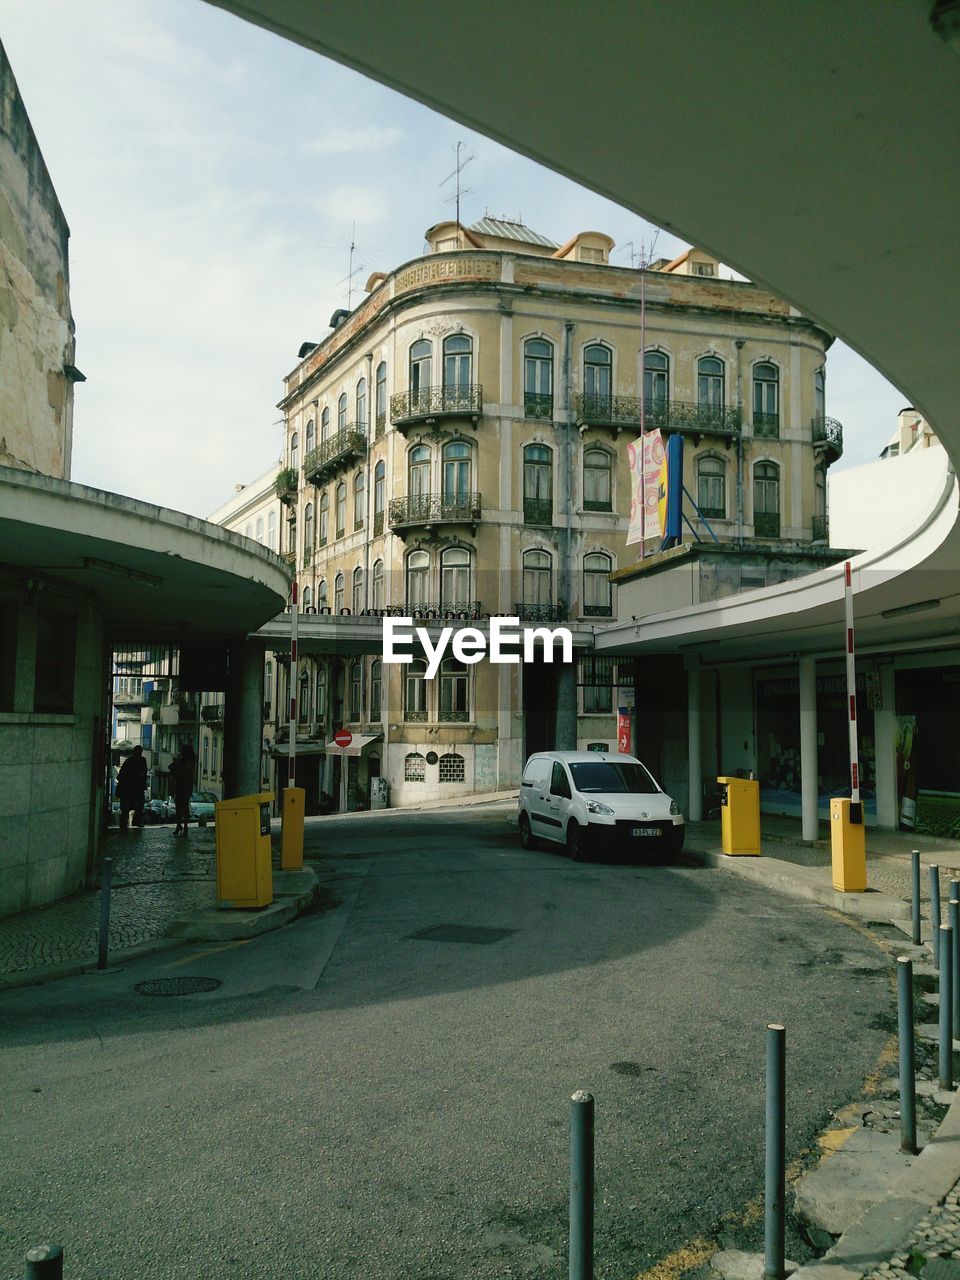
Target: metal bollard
<point x="953" y="919"/>
<point x="44" y="1262"/>
<point x="581" y="1186"/>
<point x="908" y="1077"/>
<point x="775" y="1176"/>
<point x="954" y="889"/>
<point x="105" y="878"/>
<point x="915" y="895"/>
<point x="935" y="913"/>
<point x="946" y="1004"/>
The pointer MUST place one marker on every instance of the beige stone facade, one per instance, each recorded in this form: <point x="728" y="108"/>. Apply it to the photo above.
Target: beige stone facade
<point x="457" y="446"/>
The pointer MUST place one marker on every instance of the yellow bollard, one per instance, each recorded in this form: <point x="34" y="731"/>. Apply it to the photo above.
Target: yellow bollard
<point x="847" y="847"/>
<point x="291" y="831"/>
<point x="740" y="816"/>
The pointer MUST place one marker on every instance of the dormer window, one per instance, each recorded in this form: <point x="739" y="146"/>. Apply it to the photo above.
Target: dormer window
<point x="704" y="269"/>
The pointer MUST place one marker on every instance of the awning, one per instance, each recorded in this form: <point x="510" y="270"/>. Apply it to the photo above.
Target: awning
<point x="303" y="749"/>
<point x="360" y="745"/>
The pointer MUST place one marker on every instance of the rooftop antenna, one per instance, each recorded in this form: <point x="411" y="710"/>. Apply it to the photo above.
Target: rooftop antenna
<point x="461" y="165"/>
<point x="351" y="269"/>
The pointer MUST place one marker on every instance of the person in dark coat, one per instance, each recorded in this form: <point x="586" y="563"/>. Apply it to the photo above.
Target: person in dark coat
<point x="182" y="776"/>
<point x="131" y="785"/>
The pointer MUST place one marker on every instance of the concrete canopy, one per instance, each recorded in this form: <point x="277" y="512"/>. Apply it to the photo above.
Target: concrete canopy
<point x="155" y="573"/>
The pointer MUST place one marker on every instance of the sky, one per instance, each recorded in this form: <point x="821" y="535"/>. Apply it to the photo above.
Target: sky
<point x="214" y="177"/>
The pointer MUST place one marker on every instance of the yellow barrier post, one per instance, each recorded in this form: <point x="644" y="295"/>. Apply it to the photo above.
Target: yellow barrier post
<point x="740" y="816"/>
<point x="848" y="849"/>
<point x="291" y="831"/>
<point x="244" y="856"/>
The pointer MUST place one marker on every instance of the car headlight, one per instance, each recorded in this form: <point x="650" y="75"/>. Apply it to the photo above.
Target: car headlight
<point x="604" y="810"/>
<point x="673" y="809"/>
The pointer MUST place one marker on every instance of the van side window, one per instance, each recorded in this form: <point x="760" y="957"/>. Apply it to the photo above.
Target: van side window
<point x="558" y="782"/>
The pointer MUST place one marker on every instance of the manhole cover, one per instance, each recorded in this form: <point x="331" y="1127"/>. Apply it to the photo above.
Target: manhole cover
<point x="180" y="986"/>
<point x="461" y="933"/>
<point x="628" y="1068"/>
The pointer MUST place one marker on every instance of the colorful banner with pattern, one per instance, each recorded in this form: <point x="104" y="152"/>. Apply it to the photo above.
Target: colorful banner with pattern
<point x="645" y="491"/>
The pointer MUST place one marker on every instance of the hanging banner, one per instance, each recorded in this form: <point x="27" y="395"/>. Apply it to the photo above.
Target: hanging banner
<point x="644" y="487"/>
<point x="623" y="730"/>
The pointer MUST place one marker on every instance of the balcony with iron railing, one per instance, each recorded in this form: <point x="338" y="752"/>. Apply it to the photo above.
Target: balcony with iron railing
<point x="537" y="405"/>
<point x="618" y="413"/>
<point x="426" y="510"/>
<point x="528" y="612"/>
<point x="429" y="403"/>
<point x="538" y="511"/>
<point x="828" y="436"/>
<point x="820" y="529"/>
<point x="331" y="456"/>
<point x="286" y="486"/>
<point x="766" y="524"/>
<point x="766" y="426"/>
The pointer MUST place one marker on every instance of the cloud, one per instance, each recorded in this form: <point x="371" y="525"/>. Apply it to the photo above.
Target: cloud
<point x="352" y="141"/>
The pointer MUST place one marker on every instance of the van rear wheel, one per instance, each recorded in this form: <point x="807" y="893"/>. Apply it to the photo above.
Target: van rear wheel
<point x="576" y="841"/>
<point x="527" y="840"/>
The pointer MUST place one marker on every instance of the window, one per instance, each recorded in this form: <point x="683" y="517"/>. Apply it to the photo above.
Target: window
<point x="307" y="531"/>
<point x="712" y="487"/>
<point x="820" y="505"/>
<point x="597" y="475"/>
<point x="307" y="598"/>
<point x="292" y="537"/>
<point x="324" y="519"/>
<point x="421" y="360"/>
<point x="324" y="425"/>
<point x="418" y="576"/>
<point x="295" y="451"/>
<point x="376" y="687"/>
<point x="418" y="472"/>
<point x="361" y="417"/>
<point x="457" y="370"/>
<point x="766" y="399"/>
<point x="359" y="483"/>
<point x="537" y="378"/>
<point x="452" y="768"/>
<point x="455" y="580"/>
<point x="454" y="690"/>
<point x="55" y="661"/>
<point x="537" y="484"/>
<point x="338" y="593"/>
<point x="379" y="486"/>
<point x="819" y="395"/>
<point x="260" y="529"/>
<point x="358" y="590"/>
<point x="589" y="253"/>
<point x="342" y="412"/>
<point x="321" y="693"/>
<point x="597" y="587"/>
<point x="356" y="684"/>
<point x="656" y="378"/>
<point x="414" y="767"/>
<point x="322" y="594"/>
<point x="272" y="530"/>
<point x="456" y="475"/>
<point x="710" y="383"/>
<point x="267" y="689"/>
<point x="311" y="436"/>
<point x="537" y="584"/>
<point x="704" y="269"/>
<point x="206" y="754"/>
<point x="597" y="375"/>
<point x="303" y="699"/>
<point x="415" y="691"/>
<point x="341" y="509"/>
<point x="377" y="601"/>
<point x="766" y="500"/>
<point x="213" y="756"/>
<point x="381" y="405"/>
<point x="597" y="700"/>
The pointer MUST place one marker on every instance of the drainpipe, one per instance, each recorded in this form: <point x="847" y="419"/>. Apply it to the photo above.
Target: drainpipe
<point x="566" y="474"/>
<point x="739" y="343"/>
<point x="367" y="525"/>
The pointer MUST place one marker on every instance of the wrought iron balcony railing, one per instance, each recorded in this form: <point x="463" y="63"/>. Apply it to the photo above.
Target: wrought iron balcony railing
<point x="537" y="405"/>
<point x="598" y="610"/>
<point x="377" y="523"/>
<point x="339" y="451"/>
<point x="766" y="524"/>
<point x="538" y="511"/>
<point x="435" y="508"/>
<point x="436" y="402"/>
<point x="665" y="415"/>
<point x="527" y="612"/>
<point x="461" y="717"/>
<point x="828" y="431"/>
<point x="820" y="529"/>
<point x="766" y="425"/>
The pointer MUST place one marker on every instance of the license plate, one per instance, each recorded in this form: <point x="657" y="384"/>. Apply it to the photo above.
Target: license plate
<point x="645" y="831"/>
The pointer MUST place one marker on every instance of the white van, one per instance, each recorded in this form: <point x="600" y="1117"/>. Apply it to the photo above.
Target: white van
<point x="594" y="801"/>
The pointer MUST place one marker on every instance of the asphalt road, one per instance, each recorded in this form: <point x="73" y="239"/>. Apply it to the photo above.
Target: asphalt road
<point x="356" y="1100"/>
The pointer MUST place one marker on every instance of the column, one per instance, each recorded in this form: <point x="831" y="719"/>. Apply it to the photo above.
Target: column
<point x="695" y="807"/>
<point x="566" y="730"/>
<point x="243" y="720"/>
<point x="809" y="784"/>
<point x="885" y="743"/>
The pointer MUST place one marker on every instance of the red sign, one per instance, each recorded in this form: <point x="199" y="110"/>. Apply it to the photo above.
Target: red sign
<point x="623" y="731"/>
<point x="343" y="737"/>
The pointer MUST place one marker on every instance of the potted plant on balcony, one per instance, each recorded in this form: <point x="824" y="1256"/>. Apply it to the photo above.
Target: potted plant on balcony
<point x="286" y="484"/>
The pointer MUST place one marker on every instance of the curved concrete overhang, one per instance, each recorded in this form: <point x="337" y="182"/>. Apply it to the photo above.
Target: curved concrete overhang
<point x="154" y="573"/>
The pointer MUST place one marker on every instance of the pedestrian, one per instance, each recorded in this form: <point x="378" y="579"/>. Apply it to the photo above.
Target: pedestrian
<point x="182" y="775"/>
<point x="131" y="785"/>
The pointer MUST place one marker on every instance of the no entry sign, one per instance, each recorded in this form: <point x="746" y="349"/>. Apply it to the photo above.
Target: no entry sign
<point x="343" y="737"/>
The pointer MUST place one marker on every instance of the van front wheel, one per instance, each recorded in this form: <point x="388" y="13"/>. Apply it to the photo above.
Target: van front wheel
<point x="576" y="841"/>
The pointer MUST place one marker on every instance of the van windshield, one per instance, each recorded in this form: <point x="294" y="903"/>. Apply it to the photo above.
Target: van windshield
<point x="610" y="778"/>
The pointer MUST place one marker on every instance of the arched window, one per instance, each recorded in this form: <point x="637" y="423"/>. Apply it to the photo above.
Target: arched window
<point x="537" y="585"/>
<point x="415" y="690"/>
<point x="307" y="531"/>
<point x="341" y="509"/>
<point x="820" y="504"/>
<point x="321" y="693"/>
<point x="295" y="452"/>
<point x="414" y="767"/>
<point x="357" y="590"/>
<point x="537" y="378"/>
<point x="324" y="519"/>
<point x="456" y="475"/>
<point x="766" y="500"/>
<point x="597" y="376"/>
<point x="455" y="590"/>
<point x="597" y="480"/>
<point x="303" y="698"/>
<point x="361" y="419"/>
<point x="311" y="441"/>
<point x="710" y="383"/>
<point x="452" y="768"/>
<point x="379" y="494"/>
<point x="292" y="536"/>
<point x="537" y="484"/>
<point x="418" y="479"/>
<point x="381" y="405"/>
<point x="421" y="360"/>
<point x="597" y="587"/>
<point x="356" y="688"/>
<point x="342" y="411"/>
<point x="454" y="690"/>
<point x="378" y="600"/>
<point x="338" y="593"/>
<point x="307" y="600"/>
<point x="272" y="530"/>
<point x="359" y="483"/>
<point x="418" y="578"/>
<point x="457" y="370"/>
<point x="766" y="399"/>
<point x="819" y="395"/>
<point x="712" y="487"/>
<point x="322" y="594"/>
<point x="325" y="425"/>
<point x="656" y="385"/>
<point x="376" y="687"/>
<point x="260" y="529"/>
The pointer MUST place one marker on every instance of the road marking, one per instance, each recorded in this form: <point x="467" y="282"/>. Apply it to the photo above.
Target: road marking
<point x="210" y="951"/>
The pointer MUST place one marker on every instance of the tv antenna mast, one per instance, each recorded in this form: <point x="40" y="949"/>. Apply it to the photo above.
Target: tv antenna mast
<point x="351" y="269"/>
<point x="461" y="165"/>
